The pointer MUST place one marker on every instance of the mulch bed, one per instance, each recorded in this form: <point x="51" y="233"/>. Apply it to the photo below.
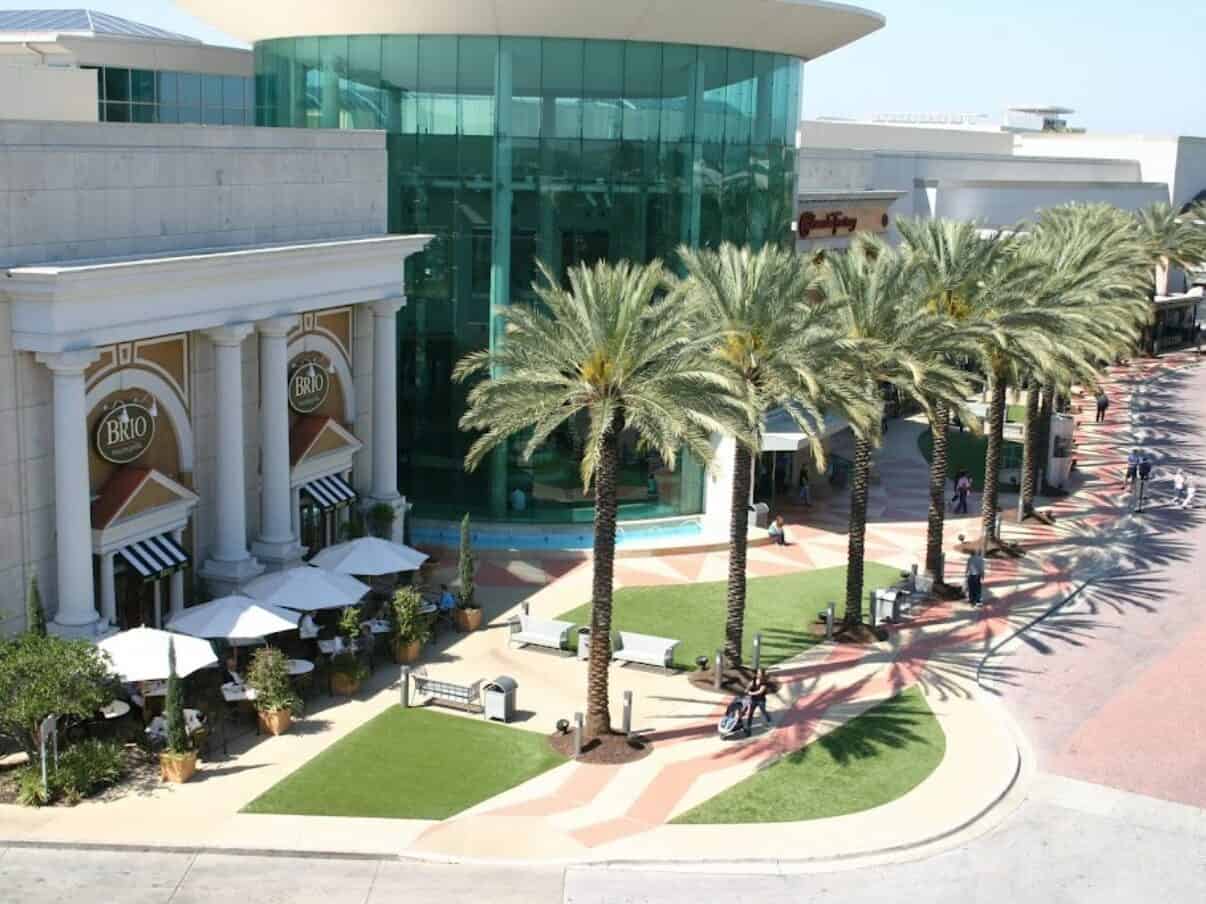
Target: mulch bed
<point x="142" y="773"/>
<point x="994" y="550"/>
<point x="732" y="681"/>
<point x="609" y="750"/>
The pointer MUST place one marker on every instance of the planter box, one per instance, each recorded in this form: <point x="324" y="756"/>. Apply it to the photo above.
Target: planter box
<point x="177" y="768"/>
<point x="275" y="722"/>
<point x="467" y="619"/>
<point x="344" y="685"/>
<point x="407" y="652"/>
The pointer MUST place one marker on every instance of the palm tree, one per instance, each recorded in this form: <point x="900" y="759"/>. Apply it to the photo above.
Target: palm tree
<point x="1173" y="239"/>
<point x="613" y="352"/>
<point x="951" y="258"/>
<point x="777" y="340"/>
<point x="1093" y="258"/>
<point x="898" y="341"/>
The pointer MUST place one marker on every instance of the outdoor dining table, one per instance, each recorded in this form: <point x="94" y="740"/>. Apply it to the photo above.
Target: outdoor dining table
<point x="115" y="710"/>
<point x="237" y="693"/>
<point x="299" y="667"/>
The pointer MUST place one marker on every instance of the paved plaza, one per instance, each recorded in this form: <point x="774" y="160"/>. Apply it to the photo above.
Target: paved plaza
<point x="1075" y="766"/>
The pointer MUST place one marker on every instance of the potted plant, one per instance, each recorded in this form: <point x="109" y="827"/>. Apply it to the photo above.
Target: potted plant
<point x="275" y="699"/>
<point x="381" y="518"/>
<point x="468" y="614"/>
<point x="410" y="628"/>
<point x="178" y="761"/>
<point x="349" y="623"/>
<point x="347" y="671"/>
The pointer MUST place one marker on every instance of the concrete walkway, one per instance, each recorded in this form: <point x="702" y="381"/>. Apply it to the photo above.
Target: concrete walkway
<point x="582" y="813"/>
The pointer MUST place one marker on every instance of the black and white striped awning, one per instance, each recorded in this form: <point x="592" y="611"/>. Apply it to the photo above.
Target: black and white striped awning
<point x="155" y="558"/>
<point x="330" y="492"/>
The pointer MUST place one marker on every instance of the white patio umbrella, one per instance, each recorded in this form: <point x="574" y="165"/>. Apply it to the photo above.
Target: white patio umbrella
<point x="307" y="588"/>
<point x="369" y="555"/>
<point x="141" y="654"/>
<point x="234" y="618"/>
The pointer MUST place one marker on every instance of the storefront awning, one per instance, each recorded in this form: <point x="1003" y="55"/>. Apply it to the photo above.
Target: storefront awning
<point x="330" y="492"/>
<point x="155" y="558"/>
<point x="780" y="433"/>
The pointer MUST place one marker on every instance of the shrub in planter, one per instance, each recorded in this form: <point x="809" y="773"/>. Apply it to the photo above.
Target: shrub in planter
<point x="349" y="622"/>
<point x="468" y="615"/>
<point x="275" y="700"/>
<point x="178" y="761"/>
<point x="411" y="630"/>
<point x="380" y="519"/>
<point x="347" y="671"/>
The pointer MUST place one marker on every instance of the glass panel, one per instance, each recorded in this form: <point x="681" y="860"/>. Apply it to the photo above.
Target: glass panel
<point x="169" y="114"/>
<point x="165" y="90"/>
<point x="764" y="78"/>
<point x="212" y="116"/>
<point x="232" y="91"/>
<point x="642" y="91"/>
<point x="739" y="97"/>
<point x="478" y="59"/>
<point x="142" y="113"/>
<point x="117" y="112"/>
<point x="602" y="89"/>
<point x="190" y="89"/>
<point x="363" y="99"/>
<point x="781" y="98"/>
<point x="211" y="90"/>
<point x="142" y="86"/>
<point x="190" y="114"/>
<point x="678" y="71"/>
<point x="400" y="79"/>
<point x="710" y="116"/>
<point x="437" y="85"/>
<point x="333" y="62"/>
<point x="117" y="84"/>
<point x="561" y="87"/>
<point x="305" y="108"/>
<point x="525" y="85"/>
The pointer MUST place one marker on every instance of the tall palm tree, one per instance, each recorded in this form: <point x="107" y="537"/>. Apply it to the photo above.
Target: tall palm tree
<point x="883" y="312"/>
<point x="613" y="352"/>
<point x="951" y="258"/>
<point x="778" y="341"/>
<point x="1093" y="258"/>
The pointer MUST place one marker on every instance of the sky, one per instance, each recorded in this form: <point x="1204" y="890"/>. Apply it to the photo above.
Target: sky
<point x="1123" y="65"/>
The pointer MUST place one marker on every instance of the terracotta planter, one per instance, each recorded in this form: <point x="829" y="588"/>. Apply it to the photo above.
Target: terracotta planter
<point x="275" y="721"/>
<point x="467" y="619"/>
<point x="177" y="768"/>
<point x="407" y="652"/>
<point x="344" y="685"/>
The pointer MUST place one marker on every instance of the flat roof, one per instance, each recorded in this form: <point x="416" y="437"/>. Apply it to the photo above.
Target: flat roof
<point x="801" y="28"/>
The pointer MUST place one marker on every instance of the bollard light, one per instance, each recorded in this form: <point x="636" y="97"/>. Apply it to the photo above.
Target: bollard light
<point x="757" y="651"/>
<point x="577" y="735"/>
<point x="716" y="670"/>
<point x="405" y="701"/>
<point x="829" y="621"/>
<point x="627" y="713"/>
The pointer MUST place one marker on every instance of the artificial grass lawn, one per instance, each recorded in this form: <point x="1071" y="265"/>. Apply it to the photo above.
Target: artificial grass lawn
<point x="1015" y="414"/>
<point x="782" y="608"/>
<point x="868" y="762"/>
<point x="967" y="451"/>
<point x="410" y="764"/>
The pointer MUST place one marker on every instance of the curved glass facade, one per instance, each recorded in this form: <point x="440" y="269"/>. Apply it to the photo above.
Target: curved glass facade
<point x="511" y="150"/>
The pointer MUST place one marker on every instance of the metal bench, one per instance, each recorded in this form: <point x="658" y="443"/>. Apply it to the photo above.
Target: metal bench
<point x="464" y="696"/>
<point x="539" y="632"/>
<point x="645" y="649"/>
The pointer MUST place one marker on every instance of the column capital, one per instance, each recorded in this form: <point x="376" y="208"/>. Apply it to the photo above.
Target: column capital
<point x="388" y="307"/>
<point x="70" y="362"/>
<point x="277" y="327"/>
<point x="230" y="334"/>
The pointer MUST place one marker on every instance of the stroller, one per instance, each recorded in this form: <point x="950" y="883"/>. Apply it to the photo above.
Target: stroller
<point x="734" y="716"/>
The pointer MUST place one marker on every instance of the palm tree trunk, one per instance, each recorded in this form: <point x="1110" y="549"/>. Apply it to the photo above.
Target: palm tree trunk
<point x="1046" y="411"/>
<point x="992" y="460"/>
<point x="858" y="530"/>
<point x="598" y="711"/>
<point x="1030" y="450"/>
<point x="734" y="622"/>
<point x="939" y="424"/>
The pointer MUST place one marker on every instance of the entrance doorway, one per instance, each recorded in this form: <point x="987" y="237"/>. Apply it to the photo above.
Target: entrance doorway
<point x="319" y="526"/>
<point x="140" y="602"/>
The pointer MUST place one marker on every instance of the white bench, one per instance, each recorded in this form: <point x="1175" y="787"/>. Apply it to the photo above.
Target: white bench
<point x="645" y="649"/>
<point x="540" y="632"/>
<point x="464" y="696"/>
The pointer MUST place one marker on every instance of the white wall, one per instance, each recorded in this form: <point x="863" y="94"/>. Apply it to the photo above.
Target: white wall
<point x="876" y="137"/>
<point x="1004" y="204"/>
<point x="47" y="93"/>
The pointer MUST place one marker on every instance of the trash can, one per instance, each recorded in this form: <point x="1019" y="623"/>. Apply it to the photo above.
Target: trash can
<point x="760" y="515"/>
<point x="498" y="699"/>
<point x="584" y="643"/>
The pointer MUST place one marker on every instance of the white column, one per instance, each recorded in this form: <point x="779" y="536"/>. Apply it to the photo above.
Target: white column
<point x="73" y="524"/>
<point x="385" y="400"/>
<point x="176" y="597"/>
<point x="108" y="589"/>
<point x="277" y="544"/>
<point x="230" y="564"/>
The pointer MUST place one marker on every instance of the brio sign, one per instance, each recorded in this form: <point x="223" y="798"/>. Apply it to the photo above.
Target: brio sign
<point x="125" y="433"/>
<point x="308" y="387"/>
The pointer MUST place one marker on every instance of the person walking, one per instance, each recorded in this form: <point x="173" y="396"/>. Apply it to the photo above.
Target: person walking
<point x="975" y="577"/>
<point x="1132" y="468"/>
<point x="1103" y="402"/>
<point x="1144" y="470"/>
<point x="805" y="491"/>
<point x="756" y="693"/>
<point x="777" y="532"/>
<point x="1179" y="484"/>
<point x="963" y="486"/>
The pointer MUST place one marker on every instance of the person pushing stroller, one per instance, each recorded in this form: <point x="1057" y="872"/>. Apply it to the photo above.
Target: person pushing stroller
<point x="739" y="715"/>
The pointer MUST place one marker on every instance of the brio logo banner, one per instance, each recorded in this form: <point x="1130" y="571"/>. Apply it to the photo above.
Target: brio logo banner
<point x="125" y="433"/>
<point x="308" y="386"/>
